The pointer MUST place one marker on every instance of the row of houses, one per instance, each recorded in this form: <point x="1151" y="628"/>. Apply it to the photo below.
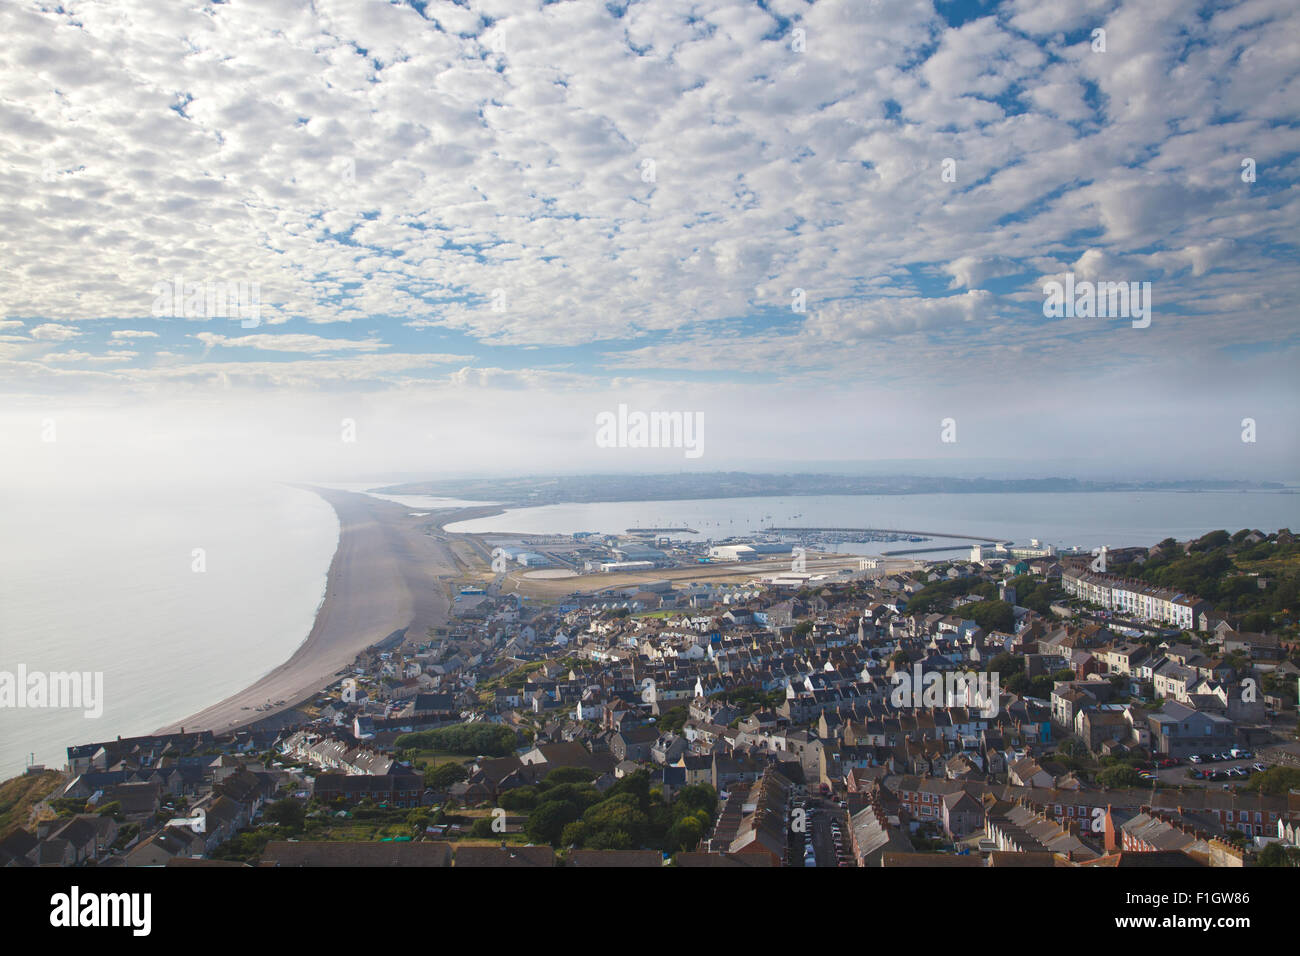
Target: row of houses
<point x="1135" y="599"/>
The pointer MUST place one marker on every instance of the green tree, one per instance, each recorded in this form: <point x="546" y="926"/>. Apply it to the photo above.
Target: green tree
<point x="1275" y="854"/>
<point x="287" y="813"/>
<point x="991" y="615"/>
<point x="546" y="824"/>
<point x="1119" y="777"/>
<point x="444" y="775"/>
<point x="520" y="798"/>
<point x="684" y="835"/>
<point x="696" y="797"/>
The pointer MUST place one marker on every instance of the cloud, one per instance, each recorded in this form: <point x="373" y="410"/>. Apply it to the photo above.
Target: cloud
<point x="54" y="332"/>
<point x="132" y="334"/>
<point x="500" y="196"/>
<point x="292" y="343"/>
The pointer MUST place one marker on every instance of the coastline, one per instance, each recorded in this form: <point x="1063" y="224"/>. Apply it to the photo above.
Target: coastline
<point x="383" y="580"/>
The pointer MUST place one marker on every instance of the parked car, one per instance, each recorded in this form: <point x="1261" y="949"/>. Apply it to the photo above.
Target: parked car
<point x="1240" y="753"/>
<point x="1195" y="758"/>
<point x="1258" y="767"/>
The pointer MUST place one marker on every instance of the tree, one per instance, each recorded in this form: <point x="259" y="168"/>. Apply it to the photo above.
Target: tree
<point x="469" y="739"/>
<point x="695" y="798"/>
<point x="684" y="835"/>
<point x="1119" y="778"/>
<point x="1208" y="542"/>
<point x="546" y="824"/>
<point x="1073" y="747"/>
<point x="991" y="615"/>
<point x="1275" y="781"/>
<point x="444" y="775"/>
<point x="1275" y="854"/>
<point x="520" y="798"/>
<point x="1007" y="664"/>
<point x="287" y="813"/>
<point x="569" y="775"/>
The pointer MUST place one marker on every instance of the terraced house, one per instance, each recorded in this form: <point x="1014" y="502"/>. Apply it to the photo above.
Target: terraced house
<point x="1135" y="598"/>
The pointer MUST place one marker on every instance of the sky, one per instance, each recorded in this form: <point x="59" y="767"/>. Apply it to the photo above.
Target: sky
<point x="469" y="229"/>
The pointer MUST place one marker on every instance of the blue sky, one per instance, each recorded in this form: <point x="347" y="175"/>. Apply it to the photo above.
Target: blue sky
<point x="639" y="189"/>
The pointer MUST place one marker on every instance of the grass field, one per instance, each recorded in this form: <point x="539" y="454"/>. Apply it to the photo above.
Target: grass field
<point x="19" y="795"/>
<point x="427" y="759"/>
<point x="1288" y="562"/>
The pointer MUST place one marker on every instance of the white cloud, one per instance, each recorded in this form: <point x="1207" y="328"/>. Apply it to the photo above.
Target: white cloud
<point x="478" y="179"/>
<point x="292" y="343"/>
<point x="132" y="334"/>
<point x="54" y="332"/>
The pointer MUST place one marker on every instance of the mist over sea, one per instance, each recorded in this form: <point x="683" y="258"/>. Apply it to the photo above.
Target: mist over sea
<point x="102" y="580"/>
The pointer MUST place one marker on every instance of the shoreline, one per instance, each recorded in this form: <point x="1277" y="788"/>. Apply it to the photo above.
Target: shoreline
<point x="383" y="581"/>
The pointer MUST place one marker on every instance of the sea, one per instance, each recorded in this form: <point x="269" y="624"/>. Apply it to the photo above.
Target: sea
<point x="1064" y="519"/>
<point x="178" y="596"/>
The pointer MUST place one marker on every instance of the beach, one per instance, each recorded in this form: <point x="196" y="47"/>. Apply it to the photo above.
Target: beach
<point x="388" y="575"/>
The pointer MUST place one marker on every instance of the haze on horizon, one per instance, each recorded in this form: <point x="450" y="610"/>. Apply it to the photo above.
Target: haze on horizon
<point x="474" y="227"/>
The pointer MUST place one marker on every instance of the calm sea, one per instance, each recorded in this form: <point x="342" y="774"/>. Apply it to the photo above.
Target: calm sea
<point x="179" y="597"/>
<point x="1088" y="520"/>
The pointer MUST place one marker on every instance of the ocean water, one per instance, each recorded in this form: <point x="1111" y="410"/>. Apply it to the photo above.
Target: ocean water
<point x="1088" y="520"/>
<point x="179" y="596"/>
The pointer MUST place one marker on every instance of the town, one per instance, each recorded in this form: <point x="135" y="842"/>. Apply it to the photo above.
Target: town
<point x="743" y="712"/>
